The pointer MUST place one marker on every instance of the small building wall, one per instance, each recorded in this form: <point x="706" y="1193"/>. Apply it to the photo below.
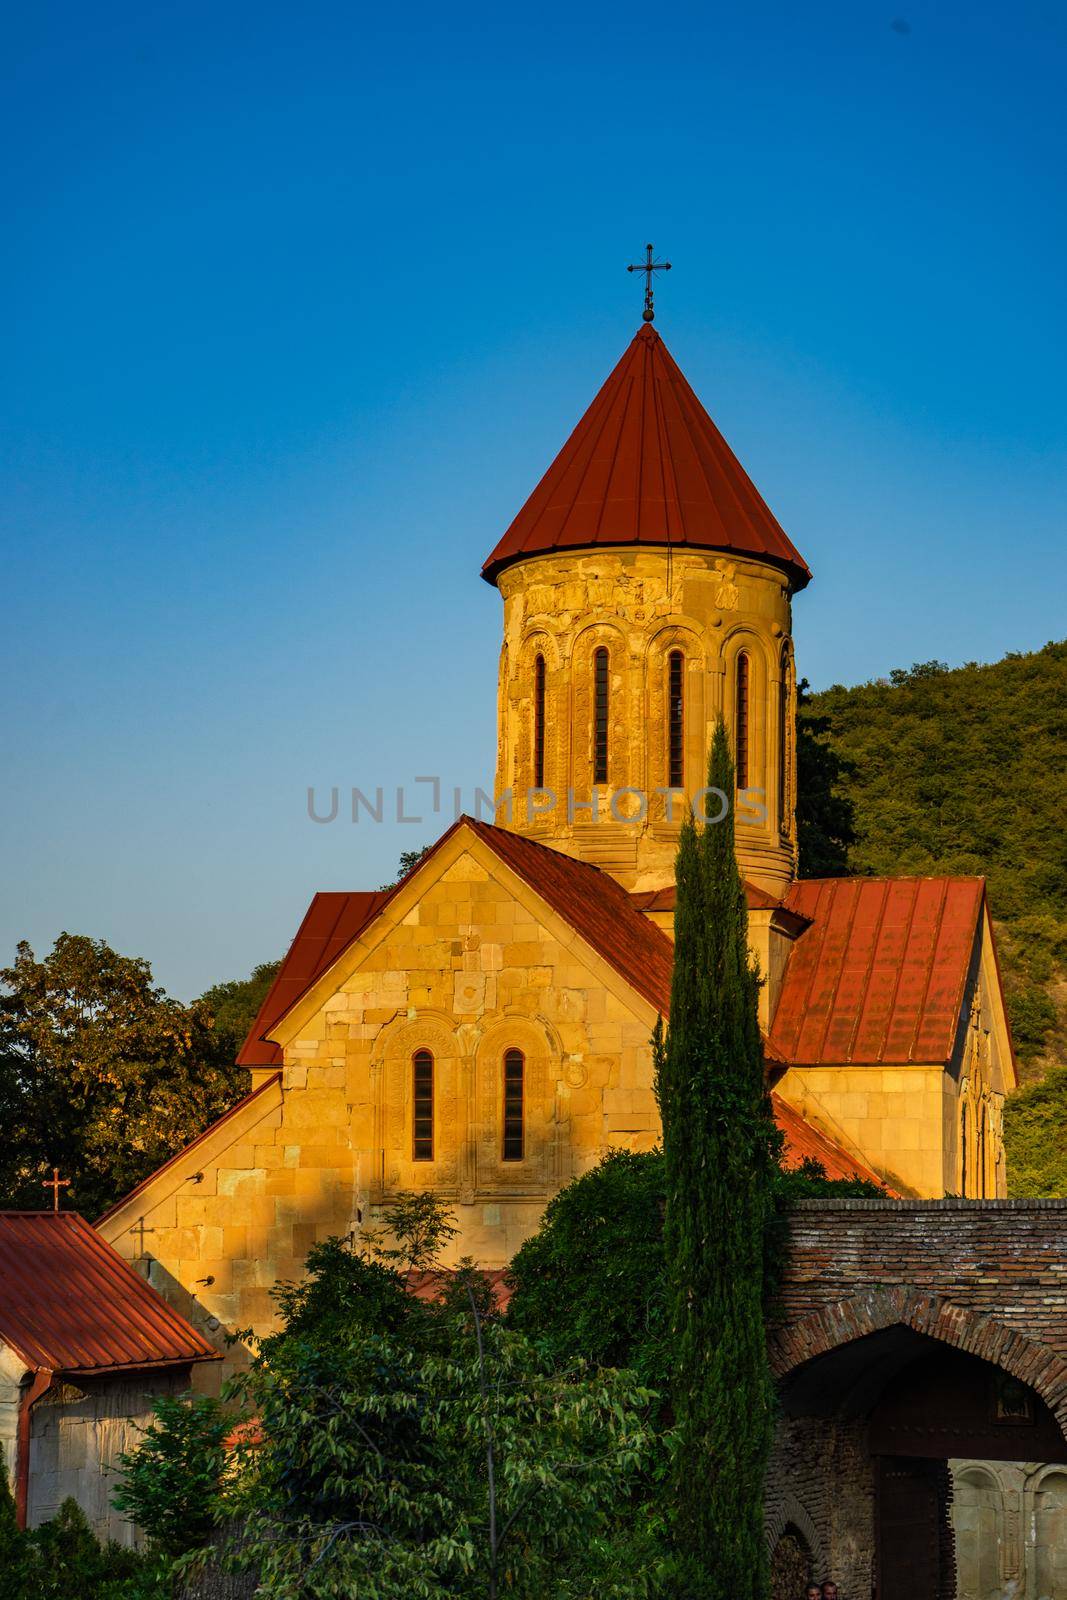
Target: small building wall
<point x="1010" y="1520"/>
<point x="79" y="1431"/>
<point x="12" y="1368"/>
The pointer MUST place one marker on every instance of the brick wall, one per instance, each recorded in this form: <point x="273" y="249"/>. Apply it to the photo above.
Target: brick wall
<point x="988" y="1277"/>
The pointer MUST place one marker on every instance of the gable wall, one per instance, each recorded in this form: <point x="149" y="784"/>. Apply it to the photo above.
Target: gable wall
<point x="469" y="968"/>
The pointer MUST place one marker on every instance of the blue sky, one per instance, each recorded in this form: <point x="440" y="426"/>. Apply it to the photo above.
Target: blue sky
<point x="299" y="302"/>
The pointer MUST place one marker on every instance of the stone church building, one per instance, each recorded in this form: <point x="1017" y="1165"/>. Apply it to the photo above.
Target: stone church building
<point x="483" y="1028"/>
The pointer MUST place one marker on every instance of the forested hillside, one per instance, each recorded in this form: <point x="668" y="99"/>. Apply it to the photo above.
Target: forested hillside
<point x="961" y="771"/>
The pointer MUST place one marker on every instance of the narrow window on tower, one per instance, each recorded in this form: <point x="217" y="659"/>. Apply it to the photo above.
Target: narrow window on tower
<point x="676" y="720"/>
<point x="600" y="716"/>
<point x="539" y="723"/>
<point x="741" y="723"/>
<point x="514" y="1109"/>
<point x="783" y="749"/>
<point x="422" y="1104"/>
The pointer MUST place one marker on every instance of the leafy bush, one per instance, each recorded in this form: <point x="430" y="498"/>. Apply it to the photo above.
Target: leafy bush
<point x="63" y="1558"/>
<point x="1035" y="1128"/>
<point x="590" y="1282"/>
<point x="172" y="1483"/>
<point x="375" y="1415"/>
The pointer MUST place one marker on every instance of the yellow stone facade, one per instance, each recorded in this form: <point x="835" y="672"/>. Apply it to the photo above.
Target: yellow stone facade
<point x="467" y="962"/>
<point x="641" y="605"/>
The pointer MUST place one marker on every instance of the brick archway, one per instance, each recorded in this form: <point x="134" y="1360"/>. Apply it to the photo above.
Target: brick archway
<point x="787" y="1513"/>
<point x="874" y="1310"/>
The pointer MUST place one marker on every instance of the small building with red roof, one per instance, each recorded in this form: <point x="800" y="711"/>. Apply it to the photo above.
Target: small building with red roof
<point x="86" y="1347"/>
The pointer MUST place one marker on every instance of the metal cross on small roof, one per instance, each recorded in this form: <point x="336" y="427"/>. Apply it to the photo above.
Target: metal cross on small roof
<point x="55" y="1183"/>
<point x="650" y="266"/>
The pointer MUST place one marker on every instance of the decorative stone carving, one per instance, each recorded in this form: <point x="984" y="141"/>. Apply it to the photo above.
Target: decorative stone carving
<point x="727" y="594"/>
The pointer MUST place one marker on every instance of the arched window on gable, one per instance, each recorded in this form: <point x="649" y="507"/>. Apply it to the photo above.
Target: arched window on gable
<point x="600" y="715"/>
<point x="741" y="721"/>
<point x="514" y="1142"/>
<point x="422" y="1106"/>
<point x="676" y="720"/>
<point x="539" y="723"/>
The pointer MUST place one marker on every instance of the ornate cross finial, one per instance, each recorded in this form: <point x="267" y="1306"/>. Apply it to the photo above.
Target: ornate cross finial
<point x="650" y="266"/>
<point x="55" y="1183"/>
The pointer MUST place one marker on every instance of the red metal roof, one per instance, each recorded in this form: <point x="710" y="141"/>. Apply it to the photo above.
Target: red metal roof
<point x="880" y="974"/>
<point x="69" y="1303"/>
<point x="331" y="922"/>
<point x="431" y="1283"/>
<point x="805" y="1143"/>
<point x="646" y="465"/>
<point x="596" y="907"/>
<point x="756" y="899"/>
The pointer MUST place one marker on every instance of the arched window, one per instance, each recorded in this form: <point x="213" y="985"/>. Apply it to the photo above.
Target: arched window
<point x="422" y="1106"/>
<point x="676" y="720"/>
<point x="514" y="1147"/>
<point x="600" y="716"/>
<point x="539" y="723"/>
<point x="979" y="1164"/>
<point x="783" y="749"/>
<point x="741" y="723"/>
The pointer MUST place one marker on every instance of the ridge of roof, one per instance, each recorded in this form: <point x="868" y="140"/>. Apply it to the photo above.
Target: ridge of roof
<point x="646" y="465"/>
<point x="756" y="899"/>
<point x="70" y="1303"/>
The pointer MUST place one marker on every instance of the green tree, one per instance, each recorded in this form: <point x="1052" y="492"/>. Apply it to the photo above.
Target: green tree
<point x="826" y="812"/>
<point x="101" y="1073"/>
<point x="404" y="1449"/>
<point x="1035" y="1130"/>
<point x="233" y="1006"/>
<point x="62" y="1557"/>
<point x="477" y="1472"/>
<point x="589" y="1284"/>
<point x="173" y="1482"/>
<point x="409" y="860"/>
<point x="720" y="1151"/>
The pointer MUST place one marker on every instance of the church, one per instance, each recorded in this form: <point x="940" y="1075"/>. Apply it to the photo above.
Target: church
<point x="482" y="1029"/>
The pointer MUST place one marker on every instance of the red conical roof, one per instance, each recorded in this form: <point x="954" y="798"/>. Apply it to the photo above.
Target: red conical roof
<point x="646" y="465"/>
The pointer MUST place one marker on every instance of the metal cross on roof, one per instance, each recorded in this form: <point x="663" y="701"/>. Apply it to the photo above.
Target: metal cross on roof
<point x="650" y="266"/>
<point x="55" y="1183"/>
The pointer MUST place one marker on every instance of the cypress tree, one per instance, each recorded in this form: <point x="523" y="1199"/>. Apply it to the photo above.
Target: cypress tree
<point x="720" y="1147"/>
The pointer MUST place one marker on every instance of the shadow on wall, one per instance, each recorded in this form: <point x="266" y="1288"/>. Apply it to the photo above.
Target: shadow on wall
<point x="207" y="1376"/>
